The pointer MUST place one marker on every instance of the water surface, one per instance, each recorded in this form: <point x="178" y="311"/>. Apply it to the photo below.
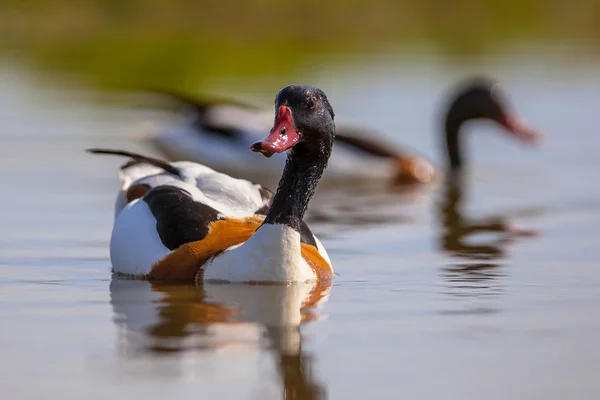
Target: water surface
<point x="486" y="289"/>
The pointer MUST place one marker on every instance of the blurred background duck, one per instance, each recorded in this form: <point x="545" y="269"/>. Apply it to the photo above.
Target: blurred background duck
<point x="218" y="131"/>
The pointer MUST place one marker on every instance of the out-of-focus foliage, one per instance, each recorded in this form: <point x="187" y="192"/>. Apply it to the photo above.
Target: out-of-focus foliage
<point x="133" y="43"/>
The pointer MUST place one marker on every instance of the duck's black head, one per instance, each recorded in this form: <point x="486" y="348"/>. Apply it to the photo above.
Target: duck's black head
<point x="482" y="98"/>
<point x="304" y="126"/>
<point x="303" y="123"/>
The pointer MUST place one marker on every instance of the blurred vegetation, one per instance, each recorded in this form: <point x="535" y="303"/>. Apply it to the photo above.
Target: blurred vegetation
<point x="178" y="44"/>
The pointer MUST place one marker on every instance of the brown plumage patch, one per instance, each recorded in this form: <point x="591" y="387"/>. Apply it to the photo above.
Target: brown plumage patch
<point x="412" y="170"/>
<point x="316" y="262"/>
<point x="186" y="261"/>
<point x="136" y="191"/>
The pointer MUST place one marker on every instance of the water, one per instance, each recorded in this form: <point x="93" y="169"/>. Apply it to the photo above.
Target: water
<point x="489" y="289"/>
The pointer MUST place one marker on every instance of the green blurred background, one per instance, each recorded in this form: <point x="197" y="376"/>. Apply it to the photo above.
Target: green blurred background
<point x="183" y="44"/>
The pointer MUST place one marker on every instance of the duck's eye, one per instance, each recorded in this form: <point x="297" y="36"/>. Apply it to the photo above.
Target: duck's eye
<point x="311" y="102"/>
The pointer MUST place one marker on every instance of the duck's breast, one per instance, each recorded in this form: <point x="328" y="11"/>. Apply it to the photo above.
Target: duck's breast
<point x="272" y="254"/>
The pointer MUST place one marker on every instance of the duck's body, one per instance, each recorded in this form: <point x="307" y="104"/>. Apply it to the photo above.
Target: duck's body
<point x="218" y="134"/>
<point x="186" y="221"/>
<point x="162" y="219"/>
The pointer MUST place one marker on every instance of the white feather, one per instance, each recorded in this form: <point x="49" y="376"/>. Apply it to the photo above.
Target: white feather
<point x="322" y="250"/>
<point x="272" y="254"/>
<point x="232" y="197"/>
<point x="134" y="244"/>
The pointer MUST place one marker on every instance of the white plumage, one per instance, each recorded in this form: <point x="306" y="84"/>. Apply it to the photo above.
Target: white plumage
<point x="134" y="243"/>
<point x="232" y="197"/>
<point x="272" y="254"/>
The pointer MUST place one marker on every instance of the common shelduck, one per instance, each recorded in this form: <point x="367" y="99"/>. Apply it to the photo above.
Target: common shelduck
<point x="184" y="220"/>
<point x="216" y="132"/>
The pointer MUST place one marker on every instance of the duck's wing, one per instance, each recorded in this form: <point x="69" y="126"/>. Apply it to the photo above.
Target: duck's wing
<point x="229" y="196"/>
<point x="169" y="233"/>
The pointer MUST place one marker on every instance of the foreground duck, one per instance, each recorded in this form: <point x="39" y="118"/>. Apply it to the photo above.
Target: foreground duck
<point x="185" y="221"/>
<point x="217" y="134"/>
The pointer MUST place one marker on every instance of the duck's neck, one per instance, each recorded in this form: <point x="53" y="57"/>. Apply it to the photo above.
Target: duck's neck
<point x="453" y="143"/>
<point x="296" y="187"/>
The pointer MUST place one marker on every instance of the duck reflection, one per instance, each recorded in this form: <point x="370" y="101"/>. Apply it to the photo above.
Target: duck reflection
<point x="159" y="319"/>
<point x="479" y="261"/>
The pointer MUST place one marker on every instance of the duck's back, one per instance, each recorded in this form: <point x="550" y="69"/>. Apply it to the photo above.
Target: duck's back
<point x="162" y="206"/>
<point x="228" y="195"/>
<point x="173" y="212"/>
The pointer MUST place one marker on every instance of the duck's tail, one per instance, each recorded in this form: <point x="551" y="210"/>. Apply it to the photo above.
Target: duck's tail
<point x="137" y="159"/>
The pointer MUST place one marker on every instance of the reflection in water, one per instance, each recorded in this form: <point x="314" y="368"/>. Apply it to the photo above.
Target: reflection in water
<point x="348" y="204"/>
<point x="159" y="319"/>
<point x="480" y="262"/>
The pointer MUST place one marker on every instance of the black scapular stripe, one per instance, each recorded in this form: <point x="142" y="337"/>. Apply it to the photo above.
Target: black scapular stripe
<point x="179" y="219"/>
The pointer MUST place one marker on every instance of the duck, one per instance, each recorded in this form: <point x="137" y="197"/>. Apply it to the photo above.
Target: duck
<point x="185" y="221"/>
<point x="217" y="131"/>
<point x="480" y="98"/>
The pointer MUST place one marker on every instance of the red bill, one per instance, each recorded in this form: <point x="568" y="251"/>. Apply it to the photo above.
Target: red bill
<point x="282" y="137"/>
<point x="521" y="129"/>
